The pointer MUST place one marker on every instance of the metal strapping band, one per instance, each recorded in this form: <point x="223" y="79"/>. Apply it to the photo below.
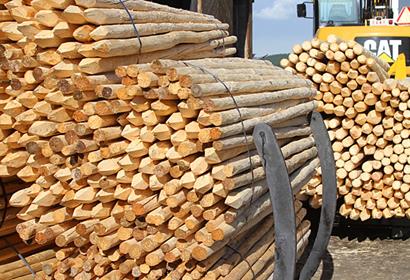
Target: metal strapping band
<point x="244" y="259"/>
<point x="223" y="39"/>
<point x="21" y="257"/>
<point x="237" y="108"/>
<point x="135" y="29"/>
<point x="223" y="45"/>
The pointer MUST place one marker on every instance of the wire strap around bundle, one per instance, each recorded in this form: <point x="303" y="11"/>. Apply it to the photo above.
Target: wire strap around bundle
<point x="21" y="257"/>
<point x="223" y="41"/>
<point x="243" y="259"/>
<point x="122" y="2"/>
<point x="236" y="107"/>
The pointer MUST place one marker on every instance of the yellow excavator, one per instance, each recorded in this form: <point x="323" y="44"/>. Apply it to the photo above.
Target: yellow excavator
<point x="381" y="26"/>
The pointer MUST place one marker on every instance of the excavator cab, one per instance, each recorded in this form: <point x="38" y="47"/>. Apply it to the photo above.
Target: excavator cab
<point x="338" y="13"/>
<point x="333" y="12"/>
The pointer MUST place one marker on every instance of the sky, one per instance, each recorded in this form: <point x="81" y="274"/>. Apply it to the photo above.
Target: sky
<point x="276" y="27"/>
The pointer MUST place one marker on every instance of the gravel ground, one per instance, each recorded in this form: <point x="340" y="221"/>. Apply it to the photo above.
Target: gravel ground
<point x="383" y="259"/>
<point x="372" y="250"/>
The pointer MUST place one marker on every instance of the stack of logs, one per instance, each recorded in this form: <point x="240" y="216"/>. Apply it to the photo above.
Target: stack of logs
<point x="313" y="191"/>
<point x="143" y="173"/>
<point x="62" y="37"/>
<point x="44" y="42"/>
<point x="10" y="241"/>
<point x="153" y="178"/>
<point x="368" y="117"/>
<point x="38" y="257"/>
<point x="39" y="263"/>
<point x="48" y="41"/>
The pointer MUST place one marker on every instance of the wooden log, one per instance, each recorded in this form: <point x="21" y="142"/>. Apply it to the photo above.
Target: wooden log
<point x="137" y="6"/>
<point x="202" y="90"/>
<point x="208" y="135"/>
<point x="101" y="65"/>
<point x="111" y="47"/>
<point x="233" y="115"/>
<point x="103" y="16"/>
<point x="127" y="30"/>
<point x="219" y="104"/>
<point x="200" y="252"/>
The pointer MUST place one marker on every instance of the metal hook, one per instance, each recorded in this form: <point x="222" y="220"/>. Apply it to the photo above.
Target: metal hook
<point x="327" y="214"/>
<point x="281" y="196"/>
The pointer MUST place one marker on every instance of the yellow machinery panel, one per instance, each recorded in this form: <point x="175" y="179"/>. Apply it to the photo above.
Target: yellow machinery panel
<point x="387" y="42"/>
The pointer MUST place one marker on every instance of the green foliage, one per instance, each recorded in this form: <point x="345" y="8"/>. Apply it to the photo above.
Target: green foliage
<point x="275" y="58"/>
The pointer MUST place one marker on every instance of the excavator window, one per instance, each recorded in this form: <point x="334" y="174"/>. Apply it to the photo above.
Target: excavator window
<point x="339" y="12"/>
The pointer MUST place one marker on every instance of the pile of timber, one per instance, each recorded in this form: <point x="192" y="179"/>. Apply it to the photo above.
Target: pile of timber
<point x="8" y="215"/>
<point x="132" y="174"/>
<point x="95" y="36"/>
<point x="312" y="191"/>
<point x="11" y="243"/>
<point x="45" y="42"/>
<point x="153" y="177"/>
<point x="368" y="118"/>
<point x="39" y="263"/>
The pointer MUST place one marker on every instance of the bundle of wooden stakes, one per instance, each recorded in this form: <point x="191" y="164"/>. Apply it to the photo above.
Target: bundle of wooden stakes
<point x="40" y="263"/>
<point x="44" y="42"/>
<point x="313" y="191"/>
<point x="48" y="41"/>
<point x="10" y="242"/>
<point x="133" y="174"/>
<point x="156" y="179"/>
<point x="368" y="118"/>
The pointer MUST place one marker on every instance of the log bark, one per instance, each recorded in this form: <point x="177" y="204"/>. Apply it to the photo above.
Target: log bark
<point x="220" y="104"/>
<point x="202" y="90"/>
<point x="103" y="16"/>
<point x="101" y="65"/>
<point x="209" y="135"/>
<point x="127" y="30"/>
<point x="121" y="47"/>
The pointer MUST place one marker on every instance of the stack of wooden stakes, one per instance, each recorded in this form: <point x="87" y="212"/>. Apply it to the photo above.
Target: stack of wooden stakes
<point x="97" y="36"/>
<point x="130" y="179"/>
<point x="9" y="223"/>
<point x="38" y="256"/>
<point x="40" y="263"/>
<point x="44" y="42"/>
<point x="313" y="191"/>
<point x="156" y="180"/>
<point x="368" y="118"/>
<point x="11" y="243"/>
<point x="50" y="40"/>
